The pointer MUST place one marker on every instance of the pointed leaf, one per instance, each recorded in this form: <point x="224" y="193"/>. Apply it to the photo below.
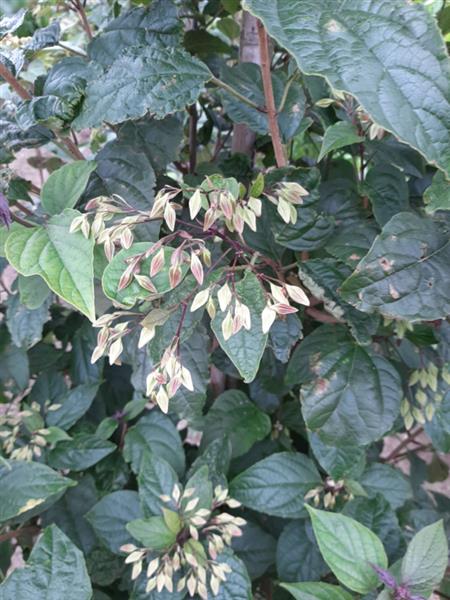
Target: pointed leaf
<point x="316" y="591"/>
<point x="349" y="549"/>
<point x="64" y="187"/>
<point x="64" y="260"/>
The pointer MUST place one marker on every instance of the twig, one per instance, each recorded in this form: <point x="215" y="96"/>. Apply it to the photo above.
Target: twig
<point x="14" y="83"/>
<point x="228" y="88"/>
<point x="320" y="316"/>
<point x="268" y="94"/>
<point x="79" y="9"/>
<point x="32" y="529"/>
<point x="21" y="221"/>
<point x="403" y="444"/>
<point x="193" y="118"/>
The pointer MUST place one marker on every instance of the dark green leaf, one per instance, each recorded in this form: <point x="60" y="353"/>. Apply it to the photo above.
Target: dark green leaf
<point x="159" y="81"/>
<point x="256" y="548"/>
<point x="437" y="196"/>
<point x="236" y="417"/>
<point x="74" y="405"/>
<point x="110" y="516"/>
<point x="79" y="453"/>
<point x="25" y="486"/>
<point x="388" y="192"/>
<point x="322" y="35"/>
<point x="24" y="324"/>
<point x="405" y="273"/>
<point x="298" y="556"/>
<point x="276" y="485"/>
<point x="156" y="479"/>
<point x="154" y="433"/>
<point x="387" y="481"/>
<point x="350" y="394"/>
<point x="55" y="569"/>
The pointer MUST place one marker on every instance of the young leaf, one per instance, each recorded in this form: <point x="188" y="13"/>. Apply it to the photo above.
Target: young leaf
<point x="27" y="488"/>
<point x="153" y="533"/>
<point x="405" y="275"/>
<point x="423" y="566"/>
<point x="64" y="260"/>
<point x="276" y="485"/>
<point x="316" y="591"/>
<point x="56" y="569"/>
<point x="64" y="187"/>
<point x="322" y="34"/>
<point x="349" y="549"/>
<point x="245" y="348"/>
<point x="337" y="136"/>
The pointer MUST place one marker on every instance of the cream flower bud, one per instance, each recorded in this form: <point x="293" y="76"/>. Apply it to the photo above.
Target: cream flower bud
<point x="297" y="294"/>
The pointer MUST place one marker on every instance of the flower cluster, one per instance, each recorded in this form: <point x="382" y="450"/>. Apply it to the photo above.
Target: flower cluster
<point x="289" y="195"/>
<point x="328" y="493"/>
<point x="278" y="303"/>
<point x="22" y="432"/>
<point x="191" y="561"/>
<point x="167" y="378"/>
<point x="223" y="204"/>
<point x="421" y="407"/>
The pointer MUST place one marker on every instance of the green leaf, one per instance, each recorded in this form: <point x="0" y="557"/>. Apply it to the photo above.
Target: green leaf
<point x="276" y="485"/>
<point x="124" y="170"/>
<point x="405" y="275"/>
<point x="256" y="548"/>
<point x="245" y="348"/>
<point x="25" y="486"/>
<point x="79" y="453"/>
<point x="24" y="324"/>
<point x="156" y="478"/>
<point x="155" y="433"/>
<point x="33" y="291"/>
<point x="158" y="139"/>
<point x="69" y="514"/>
<point x="387" y="481"/>
<point x="349" y="394"/>
<point x="349" y="549"/>
<point x="154" y="25"/>
<point x="438" y="429"/>
<point x="153" y="533"/>
<point x="377" y="515"/>
<point x="388" y="192"/>
<point x="246" y="78"/>
<point x="316" y="591"/>
<point x="437" y="196"/>
<point x="235" y="416"/>
<point x="323" y="277"/>
<point x="338" y="136"/>
<point x="298" y="556"/>
<point x="73" y="406"/>
<point x="55" y="569"/>
<point x="110" y="516"/>
<point x="424" y="564"/>
<point x="202" y="485"/>
<point x="64" y="260"/>
<point x="322" y="35"/>
<point x="156" y="80"/>
<point x="64" y="187"/>
<point x="340" y="462"/>
<point x="133" y="292"/>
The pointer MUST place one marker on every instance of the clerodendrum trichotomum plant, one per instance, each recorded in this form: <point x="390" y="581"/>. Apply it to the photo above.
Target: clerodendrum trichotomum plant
<point x="225" y="299"/>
